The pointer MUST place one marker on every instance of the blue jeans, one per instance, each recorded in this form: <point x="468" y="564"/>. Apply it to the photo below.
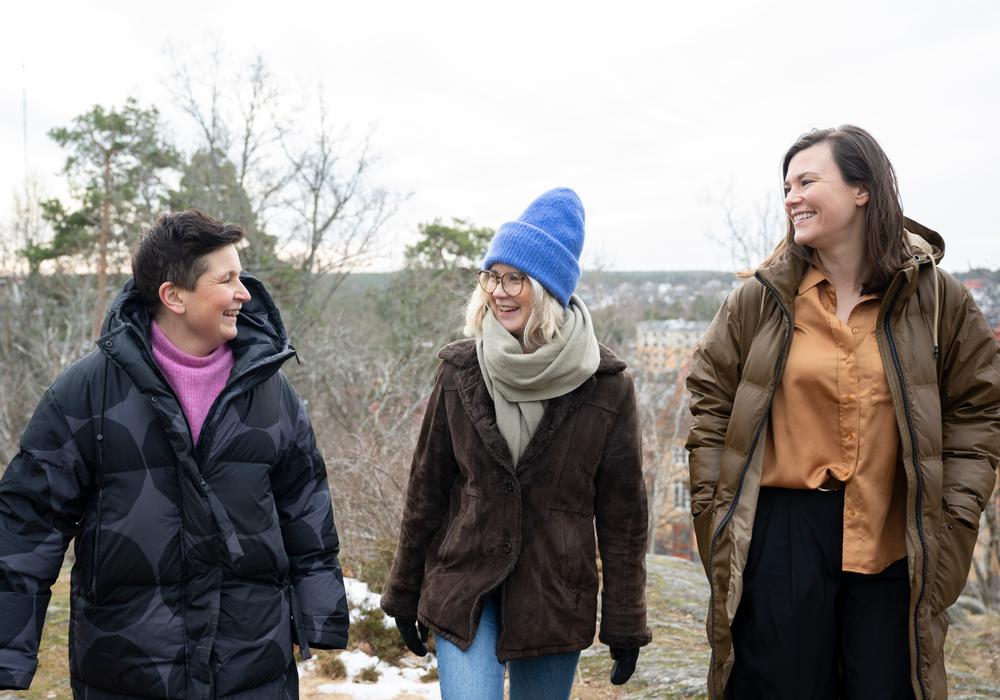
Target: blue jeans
<point x="477" y="675"/>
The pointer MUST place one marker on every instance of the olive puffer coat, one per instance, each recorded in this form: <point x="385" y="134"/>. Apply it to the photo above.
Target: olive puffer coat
<point x="947" y="405"/>
<point x="197" y="566"/>
<point x="475" y="524"/>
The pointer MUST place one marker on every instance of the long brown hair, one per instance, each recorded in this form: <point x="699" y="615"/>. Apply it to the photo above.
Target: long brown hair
<point x="861" y="161"/>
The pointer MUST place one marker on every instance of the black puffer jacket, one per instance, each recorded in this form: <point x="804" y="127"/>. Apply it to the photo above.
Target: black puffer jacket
<point x="197" y="566"/>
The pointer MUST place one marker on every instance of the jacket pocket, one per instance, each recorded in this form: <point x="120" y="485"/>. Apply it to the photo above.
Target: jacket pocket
<point x="462" y="525"/>
<point x="956" y="543"/>
<point x="703" y="533"/>
<point x="569" y="550"/>
<point x="95" y="560"/>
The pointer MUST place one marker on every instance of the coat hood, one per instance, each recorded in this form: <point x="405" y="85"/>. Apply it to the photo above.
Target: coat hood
<point x="261" y="332"/>
<point x="923" y="240"/>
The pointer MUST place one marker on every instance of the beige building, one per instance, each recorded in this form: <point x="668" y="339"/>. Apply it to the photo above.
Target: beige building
<point x="664" y="346"/>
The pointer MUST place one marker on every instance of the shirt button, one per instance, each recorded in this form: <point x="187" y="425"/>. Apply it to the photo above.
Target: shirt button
<point x="854" y="330"/>
<point x="850" y="359"/>
<point x="850" y="436"/>
<point x="849" y="397"/>
<point x="851" y="513"/>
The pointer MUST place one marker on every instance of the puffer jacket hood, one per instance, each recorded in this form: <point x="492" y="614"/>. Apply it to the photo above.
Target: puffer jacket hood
<point x="943" y="368"/>
<point x="197" y="565"/>
<point x="260" y="324"/>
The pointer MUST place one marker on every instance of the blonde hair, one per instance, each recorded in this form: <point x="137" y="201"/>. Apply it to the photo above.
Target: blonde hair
<point x="543" y="324"/>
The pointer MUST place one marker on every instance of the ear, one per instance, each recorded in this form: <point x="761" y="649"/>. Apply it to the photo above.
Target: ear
<point x="172" y="297"/>
<point x="862" y="196"/>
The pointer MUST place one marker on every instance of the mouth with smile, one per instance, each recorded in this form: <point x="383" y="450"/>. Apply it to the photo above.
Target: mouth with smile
<point x="801" y="216"/>
<point x="231" y="313"/>
<point x="507" y="309"/>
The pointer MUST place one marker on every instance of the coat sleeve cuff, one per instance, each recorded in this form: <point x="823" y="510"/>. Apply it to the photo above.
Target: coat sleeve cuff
<point x="398" y="606"/>
<point x="320" y="611"/>
<point x="16" y="678"/>
<point x="626" y="641"/>
<point x="330" y="636"/>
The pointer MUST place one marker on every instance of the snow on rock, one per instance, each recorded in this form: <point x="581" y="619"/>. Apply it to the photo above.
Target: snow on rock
<point x="392" y="682"/>
<point x="361" y="598"/>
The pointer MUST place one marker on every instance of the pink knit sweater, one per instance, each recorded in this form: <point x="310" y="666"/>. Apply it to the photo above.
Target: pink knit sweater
<point x="197" y="381"/>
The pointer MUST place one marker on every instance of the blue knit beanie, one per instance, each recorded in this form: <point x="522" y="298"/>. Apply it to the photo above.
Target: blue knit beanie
<point x="545" y="242"/>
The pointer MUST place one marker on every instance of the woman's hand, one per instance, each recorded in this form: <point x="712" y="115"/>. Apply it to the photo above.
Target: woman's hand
<point x="624" y="664"/>
<point x="414" y="636"/>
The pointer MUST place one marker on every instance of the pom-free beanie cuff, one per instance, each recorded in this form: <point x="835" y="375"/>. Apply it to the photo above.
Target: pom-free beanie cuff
<point x="544" y="242"/>
<point x="535" y="253"/>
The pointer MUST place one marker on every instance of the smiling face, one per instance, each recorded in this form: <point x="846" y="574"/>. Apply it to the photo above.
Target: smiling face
<point x="826" y="212"/>
<point x="511" y="311"/>
<point x="204" y="318"/>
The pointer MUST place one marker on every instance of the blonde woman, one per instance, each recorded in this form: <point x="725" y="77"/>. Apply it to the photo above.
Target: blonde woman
<point x="530" y="437"/>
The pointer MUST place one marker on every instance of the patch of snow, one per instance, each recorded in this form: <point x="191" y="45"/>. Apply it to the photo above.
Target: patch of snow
<point x="361" y="598"/>
<point x="392" y="682"/>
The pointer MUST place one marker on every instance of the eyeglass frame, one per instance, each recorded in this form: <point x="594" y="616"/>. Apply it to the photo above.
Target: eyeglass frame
<point x="501" y="280"/>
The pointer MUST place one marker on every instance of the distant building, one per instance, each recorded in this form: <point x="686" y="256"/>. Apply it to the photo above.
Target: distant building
<point x="664" y="346"/>
<point x="674" y="534"/>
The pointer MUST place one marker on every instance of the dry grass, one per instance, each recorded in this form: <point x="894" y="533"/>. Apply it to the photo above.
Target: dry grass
<point x="673" y="666"/>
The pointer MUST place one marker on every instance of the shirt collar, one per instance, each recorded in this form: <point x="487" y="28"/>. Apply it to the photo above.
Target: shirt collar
<point x="812" y="277"/>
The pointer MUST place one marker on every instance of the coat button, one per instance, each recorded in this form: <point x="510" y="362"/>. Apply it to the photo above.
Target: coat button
<point x="507" y="548"/>
<point x="508" y="486"/>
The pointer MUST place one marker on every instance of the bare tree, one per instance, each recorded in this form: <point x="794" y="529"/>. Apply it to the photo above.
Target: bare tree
<point x="238" y="114"/>
<point x="337" y="215"/>
<point x="749" y="238"/>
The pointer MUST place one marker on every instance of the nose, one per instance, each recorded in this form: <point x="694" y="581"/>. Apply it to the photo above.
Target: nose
<point x="792" y="197"/>
<point x="499" y="292"/>
<point x="242" y="293"/>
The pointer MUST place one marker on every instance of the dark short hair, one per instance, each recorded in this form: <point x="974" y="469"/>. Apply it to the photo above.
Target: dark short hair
<point x="861" y="160"/>
<point x="173" y="251"/>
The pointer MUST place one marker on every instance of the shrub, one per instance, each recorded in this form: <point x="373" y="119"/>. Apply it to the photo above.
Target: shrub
<point x="330" y="664"/>
<point x="384" y="642"/>
<point x="369" y="674"/>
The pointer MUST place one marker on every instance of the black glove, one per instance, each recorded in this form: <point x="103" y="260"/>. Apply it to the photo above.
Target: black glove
<point x="414" y="635"/>
<point x="624" y="664"/>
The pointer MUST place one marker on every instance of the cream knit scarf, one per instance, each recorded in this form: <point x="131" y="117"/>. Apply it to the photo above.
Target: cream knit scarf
<point x="519" y="382"/>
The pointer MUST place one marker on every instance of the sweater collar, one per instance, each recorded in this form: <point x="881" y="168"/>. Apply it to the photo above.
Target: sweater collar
<point x="162" y="345"/>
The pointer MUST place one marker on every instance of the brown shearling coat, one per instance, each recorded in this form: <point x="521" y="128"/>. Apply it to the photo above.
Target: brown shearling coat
<point x="473" y="523"/>
<point x="947" y="413"/>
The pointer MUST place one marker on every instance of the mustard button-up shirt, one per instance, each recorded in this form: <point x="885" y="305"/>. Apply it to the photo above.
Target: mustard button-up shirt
<point x="833" y="416"/>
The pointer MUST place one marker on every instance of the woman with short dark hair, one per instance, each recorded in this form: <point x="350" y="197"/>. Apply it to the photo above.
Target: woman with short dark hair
<point x="845" y="442"/>
<point x="183" y="466"/>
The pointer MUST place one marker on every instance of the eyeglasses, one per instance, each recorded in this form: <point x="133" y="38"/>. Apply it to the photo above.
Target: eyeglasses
<point x="512" y="282"/>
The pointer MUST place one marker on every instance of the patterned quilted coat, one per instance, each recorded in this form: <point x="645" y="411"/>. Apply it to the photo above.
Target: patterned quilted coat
<point x="197" y="566"/>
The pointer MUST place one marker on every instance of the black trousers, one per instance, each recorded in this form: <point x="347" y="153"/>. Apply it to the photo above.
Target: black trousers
<point x="805" y="630"/>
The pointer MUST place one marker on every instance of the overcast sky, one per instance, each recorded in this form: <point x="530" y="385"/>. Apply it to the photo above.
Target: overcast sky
<point x="652" y="111"/>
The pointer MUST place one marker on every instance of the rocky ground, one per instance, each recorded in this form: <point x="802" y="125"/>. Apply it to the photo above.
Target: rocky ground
<point x="673" y="666"/>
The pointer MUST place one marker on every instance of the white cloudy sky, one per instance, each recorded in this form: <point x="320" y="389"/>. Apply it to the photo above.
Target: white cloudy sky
<point x="652" y="111"/>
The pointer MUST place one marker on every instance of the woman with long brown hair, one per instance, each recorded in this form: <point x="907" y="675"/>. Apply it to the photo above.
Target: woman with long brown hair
<point x="846" y="437"/>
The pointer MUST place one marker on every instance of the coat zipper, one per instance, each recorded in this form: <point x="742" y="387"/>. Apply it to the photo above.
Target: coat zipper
<point x="100" y="485"/>
<point x="920" y="487"/>
<point x="778" y="369"/>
